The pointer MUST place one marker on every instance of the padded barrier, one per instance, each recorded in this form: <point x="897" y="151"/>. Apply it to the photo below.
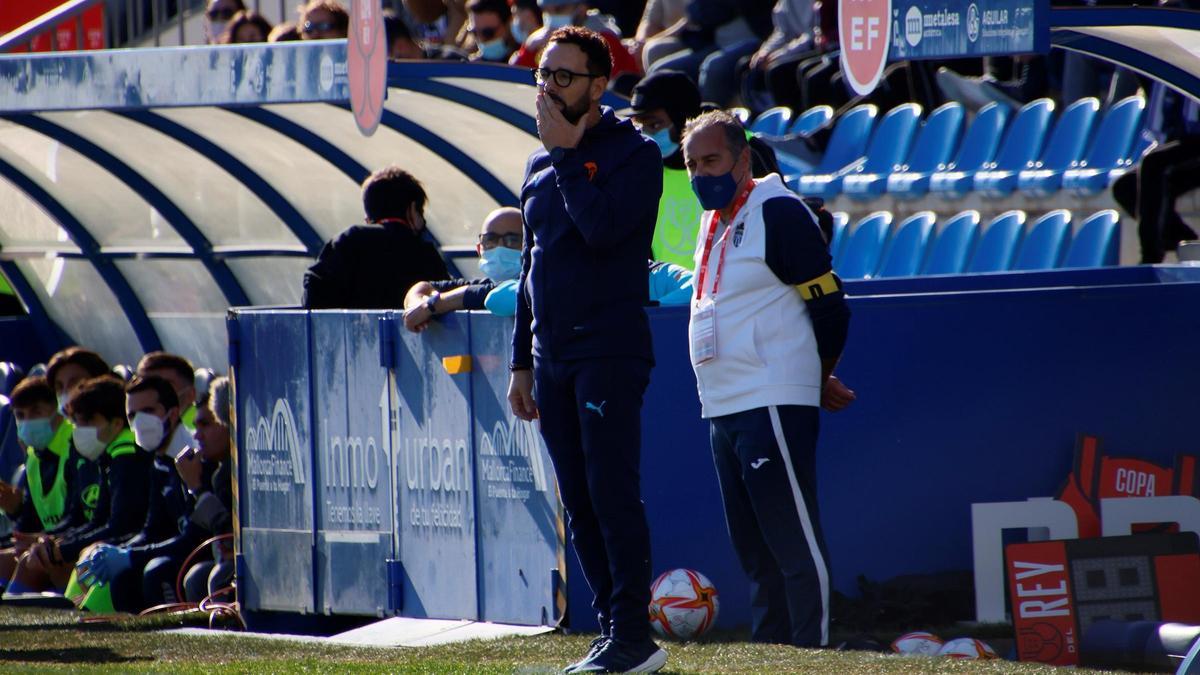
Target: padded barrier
<point x="1047" y="354"/>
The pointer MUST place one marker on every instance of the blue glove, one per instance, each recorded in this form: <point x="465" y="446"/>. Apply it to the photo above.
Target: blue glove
<point x="108" y="562"/>
<point x="85" y="570"/>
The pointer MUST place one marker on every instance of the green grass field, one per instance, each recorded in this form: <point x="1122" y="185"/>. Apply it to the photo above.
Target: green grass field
<point x="34" y="639"/>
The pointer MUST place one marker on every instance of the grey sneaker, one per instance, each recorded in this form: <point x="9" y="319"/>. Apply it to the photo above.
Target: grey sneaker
<point x="620" y="656"/>
<point x="593" y="650"/>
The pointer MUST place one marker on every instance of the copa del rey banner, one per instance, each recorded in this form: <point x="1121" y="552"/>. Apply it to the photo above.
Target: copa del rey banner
<point x="366" y="60"/>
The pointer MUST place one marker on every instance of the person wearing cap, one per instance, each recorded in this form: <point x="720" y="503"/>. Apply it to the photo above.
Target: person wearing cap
<point x="562" y="13"/>
<point x="767" y="326"/>
<point x="661" y="104"/>
<point x="582" y="352"/>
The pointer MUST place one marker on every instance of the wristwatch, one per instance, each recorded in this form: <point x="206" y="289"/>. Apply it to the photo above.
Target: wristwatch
<point x="431" y="302"/>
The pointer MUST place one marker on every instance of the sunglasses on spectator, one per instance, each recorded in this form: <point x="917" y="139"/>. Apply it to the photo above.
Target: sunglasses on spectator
<point x="220" y="13"/>
<point x="485" y="33"/>
<point x="562" y="77"/>
<point x="310" y="27"/>
<point x="491" y="240"/>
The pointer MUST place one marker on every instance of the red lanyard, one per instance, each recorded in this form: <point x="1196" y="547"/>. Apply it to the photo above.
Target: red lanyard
<point x="708" y="242"/>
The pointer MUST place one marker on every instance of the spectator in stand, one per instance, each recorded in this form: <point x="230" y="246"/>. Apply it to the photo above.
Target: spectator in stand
<point x="773" y="66"/>
<point x="658" y="17"/>
<point x="1148" y="193"/>
<point x="102" y="435"/>
<point x="402" y="46"/>
<point x="717" y="36"/>
<point x="323" y="20"/>
<point x="284" y="32"/>
<point x="526" y="18"/>
<point x="182" y="376"/>
<point x="437" y="23"/>
<point x="372" y="266"/>
<point x="246" y="27"/>
<point x="46" y="501"/>
<point x="217" y="16"/>
<point x="140" y="572"/>
<point x="488" y="23"/>
<point x="208" y="475"/>
<point x="562" y="13"/>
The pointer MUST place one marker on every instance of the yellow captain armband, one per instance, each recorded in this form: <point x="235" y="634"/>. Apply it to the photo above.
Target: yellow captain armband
<point x="826" y="284"/>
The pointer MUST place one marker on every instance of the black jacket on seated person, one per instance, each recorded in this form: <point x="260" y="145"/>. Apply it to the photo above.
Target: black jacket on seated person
<point x="371" y="267"/>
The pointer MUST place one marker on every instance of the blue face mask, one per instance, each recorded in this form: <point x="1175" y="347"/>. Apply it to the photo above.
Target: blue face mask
<point x="518" y="31"/>
<point x="715" y="192"/>
<point x="663" y="138"/>
<point x="555" y="21"/>
<point x="36" y="433"/>
<point x="493" y="50"/>
<point x="501" y="263"/>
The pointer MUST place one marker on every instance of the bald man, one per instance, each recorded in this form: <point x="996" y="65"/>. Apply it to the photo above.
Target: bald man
<point x="499" y="249"/>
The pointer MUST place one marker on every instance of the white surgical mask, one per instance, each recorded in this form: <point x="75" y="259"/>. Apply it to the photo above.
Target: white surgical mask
<point x="88" y="443"/>
<point x="215" y="30"/>
<point x="63" y="399"/>
<point x="662" y="138"/>
<point x="501" y="263"/>
<point x="518" y="31"/>
<point x="148" y="430"/>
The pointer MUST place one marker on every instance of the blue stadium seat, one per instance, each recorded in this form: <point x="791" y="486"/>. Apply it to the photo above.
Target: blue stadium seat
<point x="812" y="119"/>
<point x="889" y="146"/>
<point x="906" y="251"/>
<point x="201" y="379"/>
<point x="999" y="242"/>
<point x="1047" y="241"/>
<point x="772" y="122"/>
<point x="1097" y="242"/>
<point x="977" y="149"/>
<point x="123" y="371"/>
<point x="847" y="143"/>
<point x="935" y="144"/>
<point x="1064" y="149"/>
<point x="840" y="220"/>
<point x="1022" y="146"/>
<point x="864" y="245"/>
<point x="37" y="370"/>
<point x="10" y="375"/>
<point x="1113" y="151"/>
<point x="1022" y="142"/>
<point x="952" y="247"/>
<point x="743" y="115"/>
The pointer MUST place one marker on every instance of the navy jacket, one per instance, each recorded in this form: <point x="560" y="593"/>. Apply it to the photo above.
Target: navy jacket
<point x="589" y="220"/>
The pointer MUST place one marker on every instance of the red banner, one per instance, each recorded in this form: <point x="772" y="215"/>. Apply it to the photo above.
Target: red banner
<point x="63" y="37"/>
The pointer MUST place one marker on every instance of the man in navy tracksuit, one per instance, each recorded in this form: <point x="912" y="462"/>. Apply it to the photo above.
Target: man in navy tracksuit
<point x="768" y="323"/>
<point x="581" y="346"/>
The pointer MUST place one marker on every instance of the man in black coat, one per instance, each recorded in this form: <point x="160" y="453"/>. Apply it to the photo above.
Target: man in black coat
<point x="372" y="266"/>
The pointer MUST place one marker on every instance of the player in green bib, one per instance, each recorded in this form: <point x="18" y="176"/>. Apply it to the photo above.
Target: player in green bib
<point x="46" y="436"/>
<point x="661" y="104"/>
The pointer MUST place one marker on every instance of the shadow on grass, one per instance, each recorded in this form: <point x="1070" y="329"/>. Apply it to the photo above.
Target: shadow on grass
<point x="71" y="655"/>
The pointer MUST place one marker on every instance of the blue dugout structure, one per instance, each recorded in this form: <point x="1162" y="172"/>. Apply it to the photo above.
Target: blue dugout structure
<point x="380" y="473"/>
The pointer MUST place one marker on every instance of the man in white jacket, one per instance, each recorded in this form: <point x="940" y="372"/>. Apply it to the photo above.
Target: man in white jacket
<point x="768" y="323"/>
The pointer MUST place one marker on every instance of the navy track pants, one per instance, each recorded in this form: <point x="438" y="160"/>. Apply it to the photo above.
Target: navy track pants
<point x="766" y="464"/>
<point x="590" y="414"/>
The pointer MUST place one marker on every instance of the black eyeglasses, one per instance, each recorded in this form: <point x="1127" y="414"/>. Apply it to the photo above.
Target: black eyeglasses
<point x="492" y="240"/>
<point x="485" y="33"/>
<point x="310" y="27"/>
<point x="562" y="77"/>
<point x="220" y="13"/>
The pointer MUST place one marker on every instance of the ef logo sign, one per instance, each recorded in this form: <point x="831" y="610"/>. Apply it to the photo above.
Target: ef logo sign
<point x="865" y="27"/>
<point x="366" y="57"/>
